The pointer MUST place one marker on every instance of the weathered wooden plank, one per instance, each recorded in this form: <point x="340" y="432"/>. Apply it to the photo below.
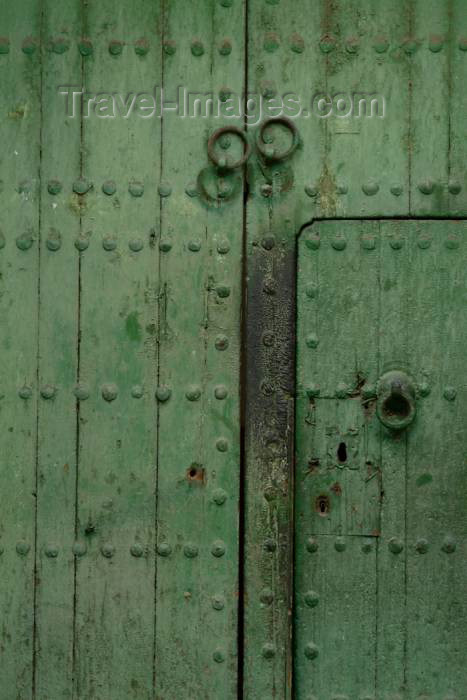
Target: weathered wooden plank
<point x="457" y="106"/>
<point x="436" y="485"/>
<point x="199" y="435"/>
<point x="58" y="357"/>
<point x="119" y="259"/>
<point x="19" y="261"/>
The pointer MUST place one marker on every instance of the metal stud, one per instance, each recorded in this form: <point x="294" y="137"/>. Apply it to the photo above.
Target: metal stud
<point x="194" y="246"/>
<point x="190" y="550"/>
<point x="311" y="651"/>
<point x="135" y="245"/>
<point x="312" y="545"/>
<point x="136" y="550"/>
<point x="165" y="245"/>
<point x="296" y="43"/>
<point x="29" y="46"/>
<point x="163" y="393"/>
<point x="170" y="47"/>
<point x="342" y="390"/>
<point x="396" y="190"/>
<point x="222" y="445"/>
<point x="370" y="188"/>
<point x="115" y="47"/>
<point x="82" y="242"/>
<point x="426" y="187"/>
<point x="422" y="545"/>
<point x="340" y="544"/>
<point x="59" y="45"/>
<point x="109" y="187"/>
<point x="368" y="242"/>
<point x="141" y="47"/>
<point x="109" y="243"/>
<point x="54" y="240"/>
<point x="54" y="186"/>
<point x="219" y="496"/>
<point x="218" y="656"/>
<point x="396" y="243"/>
<point x="164" y="549"/>
<point x="312" y="341"/>
<point x="339" y="243"/>
<point x="449" y="545"/>
<point x="435" y="43"/>
<point x="25" y="392"/>
<point x="51" y="551"/>
<point x="48" y="391"/>
<point x="269" y="545"/>
<point x="193" y="392"/>
<point x="367" y="545"/>
<point x="266" y="596"/>
<point x="107" y="550"/>
<point x="197" y="47"/>
<point x="311" y="599"/>
<point x="327" y="43"/>
<point x="313" y="242"/>
<point x="79" y="549"/>
<point x="24" y="241"/>
<point x="220" y="392"/>
<point x="271" y="42"/>
<point x="81" y="186"/>
<point x="137" y="391"/>
<point x="225" y="47"/>
<point x="312" y="391"/>
<point x="454" y="186"/>
<point x="22" y="547"/>
<point x="85" y="47"/>
<point x="218" y="601"/>
<point x="136" y="188"/>
<point x="109" y="392"/>
<point x="164" y="190"/>
<point x="221" y="342"/>
<point x="81" y="392"/>
<point x="450" y="393"/>
<point x="192" y="189"/>
<point x="268" y="651"/>
<point x="451" y="242"/>
<point x="311" y="190"/>
<point x="395" y="545"/>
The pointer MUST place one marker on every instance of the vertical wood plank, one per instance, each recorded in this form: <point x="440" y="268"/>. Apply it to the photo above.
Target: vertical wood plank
<point x="114" y="641"/>
<point x="19" y="261"/>
<point x="457" y="184"/>
<point x="199" y="432"/>
<point x="58" y="336"/>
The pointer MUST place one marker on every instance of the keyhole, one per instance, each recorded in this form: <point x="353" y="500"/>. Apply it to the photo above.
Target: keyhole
<point x="322" y="505"/>
<point x="342" y="453"/>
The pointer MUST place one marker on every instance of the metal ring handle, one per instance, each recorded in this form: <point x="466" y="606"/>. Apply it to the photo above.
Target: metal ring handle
<point x="271" y="154"/>
<point x="223" y="164"/>
<point x="396" y="405"/>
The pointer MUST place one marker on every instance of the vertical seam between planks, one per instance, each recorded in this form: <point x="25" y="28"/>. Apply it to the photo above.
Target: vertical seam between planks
<point x="449" y="80"/>
<point x="35" y="577"/>
<point x="160" y="296"/>
<point x="242" y="393"/>
<point x="410" y="90"/>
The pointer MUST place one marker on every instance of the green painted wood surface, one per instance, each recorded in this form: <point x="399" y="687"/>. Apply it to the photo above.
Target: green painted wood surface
<point x="394" y="598"/>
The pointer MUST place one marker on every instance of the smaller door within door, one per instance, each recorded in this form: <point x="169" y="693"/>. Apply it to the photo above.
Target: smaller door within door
<point x="380" y="483"/>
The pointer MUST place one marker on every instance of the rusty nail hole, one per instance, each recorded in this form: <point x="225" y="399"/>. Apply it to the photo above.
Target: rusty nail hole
<point x="342" y="453"/>
<point x="322" y="505"/>
<point x="195" y="473"/>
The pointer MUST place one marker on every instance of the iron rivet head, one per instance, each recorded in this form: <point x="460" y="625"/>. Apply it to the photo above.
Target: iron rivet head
<point x="396" y="190"/>
<point x="218" y="602"/>
<point x="339" y="243"/>
<point x="327" y="43"/>
<point x="4" y="45"/>
<point x="271" y="42"/>
<point x="194" y="246"/>
<point x="435" y="43"/>
<point x="81" y="243"/>
<point x="423" y="241"/>
<point x="268" y="339"/>
<point x="342" y="390"/>
<point x="269" y="286"/>
<point x="135" y="245"/>
<point x="141" y="47"/>
<point x="54" y="240"/>
<point x="268" y="651"/>
<point x="136" y="550"/>
<point x="79" y="549"/>
<point x="450" y="393"/>
<point x="22" y="547"/>
<point x="396" y="243"/>
<point x="311" y="190"/>
<point x="424" y="389"/>
<point x="449" y="545"/>
<point x="54" y="186"/>
<point x="51" y="551"/>
<point x="312" y="545"/>
<point x="223" y="291"/>
<point x="218" y="656"/>
<point x="197" y="48"/>
<point x="164" y="190"/>
<point x="266" y="596"/>
<point x="368" y="391"/>
<point x="165" y="245"/>
<point x="426" y="186"/>
<point x="296" y="43"/>
<point x="25" y="392"/>
<point x="190" y="550"/>
<point x="225" y="47"/>
<point x="109" y="187"/>
<point x="170" y="47"/>
<point x="463" y="43"/>
<point x="108" y="550"/>
<point x="59" y="45"/>
<point x="115" y="47"/>
<point x="269" y="545"/>
<point x="311" y="651"/>
<point x="370" y="188"/>
<point x="410" y="45"/>
<point x="164" y="549"/>
<point x="109" y="392"/>
<point x="367" y="545"/>
<point x="81" y="391"/>
<point x="451" y="242"/>
<point x="311" y="290"/>
<point x="342" y="189"/>
<point x="312" y="340"/>
<point x="313" y="242"/>
<point x="48" y="391"/>
<point x="25" y="187"/>
<point x="163" y="393"/>
<point x="193" y="392"/>
<point x="422" y="546"/>
<point x="312" y="391"/>
<point x="29" y="46"/>
<point x="268" y="242"/>
<point x="340" y="544"/>
<point x="136" y="188"/>
<point x="222" y="445"/>
<point x="221" y="342"/>
<point x="137" y="391"/>
<point x="352" y="44"/>
<point x="85" y="47"/>
<point x="368" y="242"/>
<point x="454" y="186"/>
<point x="311" y="599"/>
<point x="25" y="241"/>
<point x="81" y="186"/>
<point x="219" y="496"/>
<point x="395" y="545"/>
<point x="220" y="392"/>
<point x="192" y="189"/>
<point x="109" y="243"/>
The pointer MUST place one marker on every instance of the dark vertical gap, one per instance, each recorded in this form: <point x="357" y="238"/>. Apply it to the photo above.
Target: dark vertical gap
<point x="380" y="232"/>
<point x="78" y="366"/>
<point x="243" y="356"/>
<point x="161" y="302"/>
<point x="36" y="446"/>
<point x="410" y="148"/>
<point x="450" y="49"/>
<point x="406" y="474"/>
